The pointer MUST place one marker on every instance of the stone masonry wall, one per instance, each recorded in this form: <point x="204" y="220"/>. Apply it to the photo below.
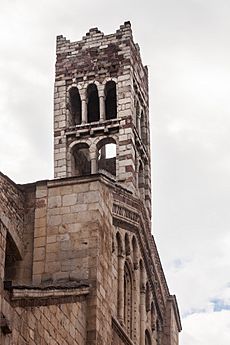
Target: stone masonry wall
<point x="73" y="241"/>
<point x="60" y="324"/>
<point x="67" y="223"/>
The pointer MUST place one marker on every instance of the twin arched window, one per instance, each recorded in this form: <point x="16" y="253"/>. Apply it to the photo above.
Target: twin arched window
<point x="96" y="109"/>
<point x="103" y="158"/>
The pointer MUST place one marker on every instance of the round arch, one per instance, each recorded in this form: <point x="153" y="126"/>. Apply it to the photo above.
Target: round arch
<point x="80" y="159"/>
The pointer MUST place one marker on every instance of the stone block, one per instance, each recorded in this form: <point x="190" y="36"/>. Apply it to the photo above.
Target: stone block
<point x="54" y="201"/>
<point x="69" y="199"/>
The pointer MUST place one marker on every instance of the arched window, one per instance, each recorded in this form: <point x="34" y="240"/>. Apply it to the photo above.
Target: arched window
<point x="128" y="300"/>
<point x="81" y="164"/>
<point x="138" y="116"/>
<point x="147" y="338"/>
<point x="93" y="103"/>
<point x="107" y="155"/>
<point x="75" y="106"/>
<point x="141" y="180"/>
<point x="142" y="129"/>
<point x="110" y="100"/>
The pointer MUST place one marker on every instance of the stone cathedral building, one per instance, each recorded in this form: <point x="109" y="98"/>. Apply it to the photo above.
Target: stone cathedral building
<point x="78" y="263"/>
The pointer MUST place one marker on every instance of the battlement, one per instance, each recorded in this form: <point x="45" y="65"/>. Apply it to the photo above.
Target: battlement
<point x="94" y="34"/>
<point x="101" y="55"/>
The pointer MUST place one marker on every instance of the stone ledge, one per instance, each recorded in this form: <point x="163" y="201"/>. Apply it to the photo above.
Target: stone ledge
<point x="30" y="295"/>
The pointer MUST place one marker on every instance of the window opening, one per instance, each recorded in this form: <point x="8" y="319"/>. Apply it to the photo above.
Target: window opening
<point x="110" y="100"/>
<point x="11" y="258"/>
<point x="141" y="180"/>
<point x="75" y="106"/>
<point x="107" y="158"/>
<point x="93" y="103"/>
<point x="82" y="163"/>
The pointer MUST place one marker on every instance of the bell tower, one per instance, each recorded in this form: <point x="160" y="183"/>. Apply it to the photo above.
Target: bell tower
<point x="101" y="111"/>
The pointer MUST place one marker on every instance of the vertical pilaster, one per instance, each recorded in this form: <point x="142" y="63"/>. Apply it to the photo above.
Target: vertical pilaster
<point x="120" y="312"/>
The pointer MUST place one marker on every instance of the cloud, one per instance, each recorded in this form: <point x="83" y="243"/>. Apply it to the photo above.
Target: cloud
<point x="207" y="328"/>
<point x="185" y="44"/>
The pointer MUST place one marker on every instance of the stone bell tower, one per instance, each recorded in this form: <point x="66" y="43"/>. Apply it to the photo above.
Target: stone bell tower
<point x="101" y="110"/>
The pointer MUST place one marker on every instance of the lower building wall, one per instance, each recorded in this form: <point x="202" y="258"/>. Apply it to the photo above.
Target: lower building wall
<point x="61" y="324"/>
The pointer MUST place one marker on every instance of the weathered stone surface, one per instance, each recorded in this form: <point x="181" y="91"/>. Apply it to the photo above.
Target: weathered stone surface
<point x="91" y="226"/>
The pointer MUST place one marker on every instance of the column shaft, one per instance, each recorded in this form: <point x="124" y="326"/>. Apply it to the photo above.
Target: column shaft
<point x="84" y="111"/>
<point x="102" y="108"/>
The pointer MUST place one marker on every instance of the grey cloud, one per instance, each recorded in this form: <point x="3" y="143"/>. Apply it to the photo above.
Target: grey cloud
<point x="185" y="45"/>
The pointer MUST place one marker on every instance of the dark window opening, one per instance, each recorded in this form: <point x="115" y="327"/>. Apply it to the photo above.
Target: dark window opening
<point x="82" y="163"/>
<point x="141" y="180"/>
<point x="75" y="106"/>
<point x="143" y="129"/>
<point x="107" y="158"/>
<point x="11" y="259"/>
<point x="110" y="100"/>
<point x="93" y="103"/>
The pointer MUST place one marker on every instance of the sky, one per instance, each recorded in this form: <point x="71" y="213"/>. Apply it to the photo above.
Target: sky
<point x="185" y="44"/>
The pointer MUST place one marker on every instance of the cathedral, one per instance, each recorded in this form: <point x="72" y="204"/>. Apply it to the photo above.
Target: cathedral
<point x="78" y="262"/>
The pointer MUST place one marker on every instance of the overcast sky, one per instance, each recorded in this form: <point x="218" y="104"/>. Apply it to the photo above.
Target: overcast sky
<point x="185" y="44"/>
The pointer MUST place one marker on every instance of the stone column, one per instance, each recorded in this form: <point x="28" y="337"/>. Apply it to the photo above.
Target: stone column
<point x="120" y="312"/>
<point x="84" y="111"/>
<point x="102" y="108"/>
<point x="94" y="168"/>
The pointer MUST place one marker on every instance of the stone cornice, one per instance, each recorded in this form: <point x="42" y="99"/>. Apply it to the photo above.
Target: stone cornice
<point x="47" y="295"/>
